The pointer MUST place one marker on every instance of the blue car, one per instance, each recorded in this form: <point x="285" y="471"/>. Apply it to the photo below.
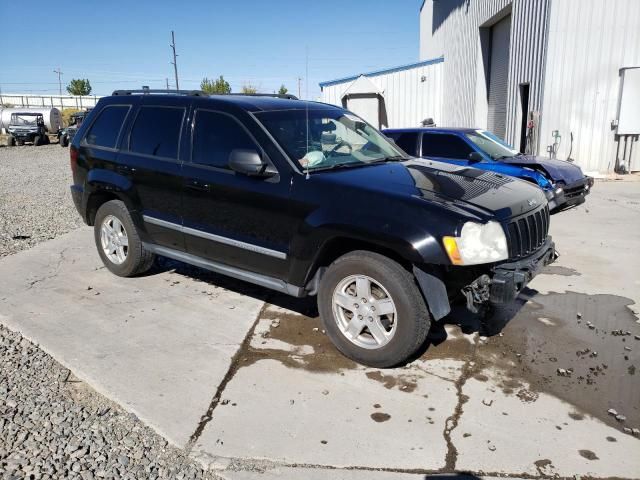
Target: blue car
<point x="563" y="183"/>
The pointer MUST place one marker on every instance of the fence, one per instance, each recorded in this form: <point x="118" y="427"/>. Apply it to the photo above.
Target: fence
<point x="57" y="101"/>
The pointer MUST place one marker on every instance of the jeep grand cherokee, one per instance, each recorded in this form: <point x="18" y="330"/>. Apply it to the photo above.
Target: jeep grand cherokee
<point x="308" y="199"/>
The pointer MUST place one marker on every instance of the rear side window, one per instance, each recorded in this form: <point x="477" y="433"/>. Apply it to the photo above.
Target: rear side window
<point x="215" y="136"/>
<point x="443" y="145"/>
<point x="156" y="131"/>
<point x="407" y="141"/>
<point x="105" y="130"/>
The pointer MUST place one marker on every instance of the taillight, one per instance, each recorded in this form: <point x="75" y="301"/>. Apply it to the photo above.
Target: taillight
<point x="73" y="157"/>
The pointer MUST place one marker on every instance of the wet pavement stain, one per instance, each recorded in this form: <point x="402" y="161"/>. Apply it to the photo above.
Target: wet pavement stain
<point x="581" y="342"/>
<point x="380" y="417"/>
<point x="576" y="416"/>
<point x="558" y="270"/>
<point x="405" y="383"/>
<point x="588" y="454"/>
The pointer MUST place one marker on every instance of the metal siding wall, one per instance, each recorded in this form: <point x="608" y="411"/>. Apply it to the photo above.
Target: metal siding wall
<point x="589" y="41"/>
<point x="452" y="29"/>
<point x="408" y="100"/>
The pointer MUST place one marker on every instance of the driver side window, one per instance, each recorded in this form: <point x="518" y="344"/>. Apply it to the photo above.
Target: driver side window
<point x="444" y="146"/>
<point x="215" y="136"/>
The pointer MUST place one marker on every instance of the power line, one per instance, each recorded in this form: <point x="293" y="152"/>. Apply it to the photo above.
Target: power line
<point x="175" y="62"/>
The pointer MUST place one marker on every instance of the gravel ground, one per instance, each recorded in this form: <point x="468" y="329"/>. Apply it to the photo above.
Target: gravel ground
<point x="55" y="426"/>
<point x="35" y="203"/>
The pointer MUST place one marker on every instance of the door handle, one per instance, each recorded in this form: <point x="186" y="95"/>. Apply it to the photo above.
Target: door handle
<point x="194" y="184"/>
<point x="124" y="169"/>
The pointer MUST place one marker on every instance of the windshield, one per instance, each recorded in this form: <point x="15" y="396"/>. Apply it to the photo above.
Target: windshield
<point x="491" y="145"/>
<point x="323" y="139"/>
<point x="24" y="119"/>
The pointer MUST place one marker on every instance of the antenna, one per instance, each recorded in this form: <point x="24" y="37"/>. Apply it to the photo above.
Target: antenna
<point x="307" y="105"/>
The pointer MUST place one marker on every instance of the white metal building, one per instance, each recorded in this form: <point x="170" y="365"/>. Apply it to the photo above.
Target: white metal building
<point x="553" y="77"/>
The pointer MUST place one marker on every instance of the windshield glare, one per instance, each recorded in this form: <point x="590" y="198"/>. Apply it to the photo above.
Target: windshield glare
<point x="491" y="145"/>
<point x="320" y="139"/>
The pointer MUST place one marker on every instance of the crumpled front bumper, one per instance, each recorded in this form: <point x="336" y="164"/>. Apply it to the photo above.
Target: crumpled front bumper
<point x="506" y="280"/>
<point x="563" y="196"/>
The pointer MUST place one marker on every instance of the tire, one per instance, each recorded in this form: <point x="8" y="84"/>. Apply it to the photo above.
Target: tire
<point x="11" y="142"/>
<point x="136" y="259"/>
<point x="46" y="140"/>
<point x="37" y="141"/>
<point x="405" y="331"/>
<point x="64" y="141"/>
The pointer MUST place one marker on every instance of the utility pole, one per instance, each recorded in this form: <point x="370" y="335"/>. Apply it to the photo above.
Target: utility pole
<point x="299" y="87"/>
<point x="175" y="63"/>
<point x="167" y="80"/>
<point x="59" y="72"/>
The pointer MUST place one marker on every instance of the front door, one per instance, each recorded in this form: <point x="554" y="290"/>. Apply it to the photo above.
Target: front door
<point x="446" y="147"/>
<point x="232" y="218"/>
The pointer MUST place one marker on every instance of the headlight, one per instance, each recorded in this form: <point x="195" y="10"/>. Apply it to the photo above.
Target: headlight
<point x="477" y="243"/>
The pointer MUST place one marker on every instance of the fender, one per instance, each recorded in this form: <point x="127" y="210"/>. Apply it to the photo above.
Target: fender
<point x="107" y="181"/>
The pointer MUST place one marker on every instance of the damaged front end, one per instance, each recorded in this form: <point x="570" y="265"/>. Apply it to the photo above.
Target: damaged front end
<point x="505" y="281"/>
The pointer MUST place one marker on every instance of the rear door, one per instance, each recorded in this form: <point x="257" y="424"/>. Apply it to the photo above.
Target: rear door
<point x="230" y="218"/>
<point x="151" y="158"/>
<point x="446" y="147"/>
<point x="407" y="141"/>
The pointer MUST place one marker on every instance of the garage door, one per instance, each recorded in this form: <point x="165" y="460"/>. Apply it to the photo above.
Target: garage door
<point x="499" y="77"/>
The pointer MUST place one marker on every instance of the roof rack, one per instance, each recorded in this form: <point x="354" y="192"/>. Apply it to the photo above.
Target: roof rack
<point x="198" y="93"/>
<point x="149" y="91"/>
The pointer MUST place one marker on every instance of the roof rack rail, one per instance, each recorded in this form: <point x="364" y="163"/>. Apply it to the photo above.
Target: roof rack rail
<point x="287" y="96"/>
<point x="149" y="91"/>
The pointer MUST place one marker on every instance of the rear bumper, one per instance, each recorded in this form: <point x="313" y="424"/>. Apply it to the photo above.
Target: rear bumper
<point x="77" y="195"/>
<point x="568" y="195"/>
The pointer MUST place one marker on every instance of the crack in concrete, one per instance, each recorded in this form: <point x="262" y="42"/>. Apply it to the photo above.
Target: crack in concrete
<point x="263" y="465"/>
<point x="452" y="422"/>
<point x="56" y="269"/>
<point x="233" y="369"/>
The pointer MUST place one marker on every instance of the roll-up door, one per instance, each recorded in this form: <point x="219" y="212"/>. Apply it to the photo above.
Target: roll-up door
<point x="499" y="77"/>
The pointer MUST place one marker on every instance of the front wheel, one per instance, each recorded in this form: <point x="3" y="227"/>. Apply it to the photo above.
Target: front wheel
<point x="118" y="242"/>
<point x="372" y="309"/>
<point x="37" y="141"/>
<point x="64" y="141"/>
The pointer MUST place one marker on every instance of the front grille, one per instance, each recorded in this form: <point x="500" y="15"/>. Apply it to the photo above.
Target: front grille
<point x="526" y="234"/>
<point x="571" y="192"/>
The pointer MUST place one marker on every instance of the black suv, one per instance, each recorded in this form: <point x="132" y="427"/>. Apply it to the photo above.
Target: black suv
<point x="308" y="199"/>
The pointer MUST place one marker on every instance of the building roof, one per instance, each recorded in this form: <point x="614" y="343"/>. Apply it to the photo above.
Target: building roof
<point x="382" y="72"/>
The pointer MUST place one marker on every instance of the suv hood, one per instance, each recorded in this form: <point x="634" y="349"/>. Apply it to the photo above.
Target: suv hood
<point x="478" y="192"/>
<point x="556" y="170"/>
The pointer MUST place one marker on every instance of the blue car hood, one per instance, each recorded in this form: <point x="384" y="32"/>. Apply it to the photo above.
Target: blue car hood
<point x="556" y="170"/>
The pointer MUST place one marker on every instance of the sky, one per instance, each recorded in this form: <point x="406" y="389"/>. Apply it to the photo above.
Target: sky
<point x="125" y="44"/>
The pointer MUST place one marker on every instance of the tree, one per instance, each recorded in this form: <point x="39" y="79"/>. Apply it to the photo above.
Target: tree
<point x="79" y="86"/>
<point x="218" y="86"/>
<point x="248" y="88"/>
<point x="283" y="90"/>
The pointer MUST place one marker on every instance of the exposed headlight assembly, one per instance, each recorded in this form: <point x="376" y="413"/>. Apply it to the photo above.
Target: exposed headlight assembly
<point x="478" y="243"/>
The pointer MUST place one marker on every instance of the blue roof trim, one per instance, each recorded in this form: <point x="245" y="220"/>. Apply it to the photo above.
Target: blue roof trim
<point x="382" y="72"/>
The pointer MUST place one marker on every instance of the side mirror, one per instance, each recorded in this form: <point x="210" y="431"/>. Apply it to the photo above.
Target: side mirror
<point x="250" y="163"/>
<point x="475" y="157"/>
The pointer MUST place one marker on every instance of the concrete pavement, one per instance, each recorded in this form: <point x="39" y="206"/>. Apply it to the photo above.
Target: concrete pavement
<point x="255" y="390"/>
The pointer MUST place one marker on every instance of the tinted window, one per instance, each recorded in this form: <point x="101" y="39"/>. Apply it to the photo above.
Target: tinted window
<point x="215" y="136"/>
<point x="105" y="130"/>
<point x="156" y="131"/>
<point x="407" y="141"/>
<point x="443" y="145"/>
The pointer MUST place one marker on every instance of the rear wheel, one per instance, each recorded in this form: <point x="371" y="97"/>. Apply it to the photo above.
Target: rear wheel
<point x="37" y="141"/>
<point x="372" y="309"/>
<point x="118" y="242"/>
